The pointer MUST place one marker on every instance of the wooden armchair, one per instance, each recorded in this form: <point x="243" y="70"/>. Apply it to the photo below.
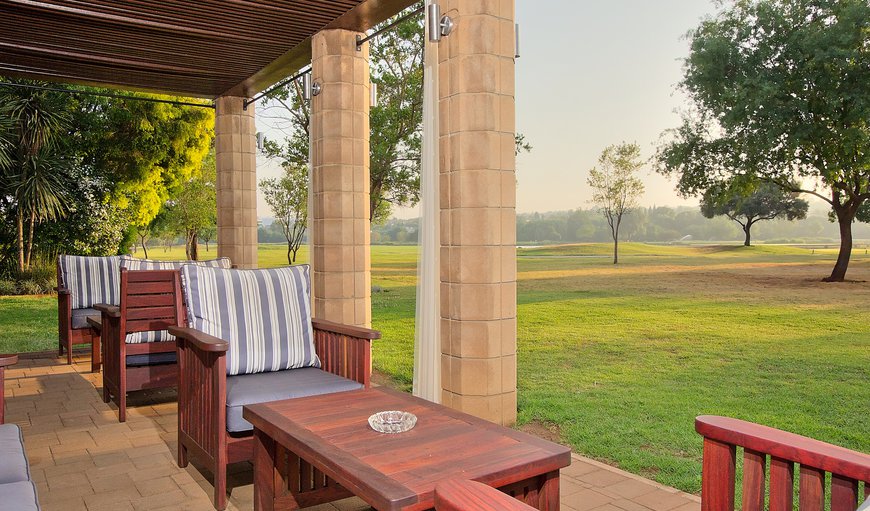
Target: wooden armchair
<point x="138" y="352"/>
<point x="464" y="495"/>
<point x="210" y="402"/>
<point x="5" y="361"/>
<point x="722" y="436"/>
<point x="83" y="281"/>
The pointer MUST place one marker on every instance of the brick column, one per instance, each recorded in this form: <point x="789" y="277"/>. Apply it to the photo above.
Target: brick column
<point x="236" y="163"/>
<point x="478" y="210"/>
<point x="341" y="257"/>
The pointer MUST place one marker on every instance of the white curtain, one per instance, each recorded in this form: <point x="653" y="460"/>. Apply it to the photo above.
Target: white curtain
<point x="427" y="345"/>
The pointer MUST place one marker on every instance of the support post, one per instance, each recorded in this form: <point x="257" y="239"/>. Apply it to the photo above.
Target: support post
<point x="236" y="165"/>
<point x="341" y="259"/>
<point x="478" y="210"/>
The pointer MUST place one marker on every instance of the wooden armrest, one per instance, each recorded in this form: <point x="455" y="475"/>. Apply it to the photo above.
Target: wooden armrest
<point x="200" y="340"/>
<point x="96" y="322"/>
<point x="463" y="495"/>
<point x="8" y="360"/>
<point x="350" y="331"/>
<point x="62" y="290"/>
<point x="113" y="311"/>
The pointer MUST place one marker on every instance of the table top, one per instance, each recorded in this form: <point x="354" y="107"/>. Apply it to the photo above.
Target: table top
<point x="400" y="471"/>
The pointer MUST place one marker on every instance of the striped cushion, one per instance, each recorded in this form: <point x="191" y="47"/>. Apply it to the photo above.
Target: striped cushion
<point x="90" y="280"/>
<point x="264" y="315"/>
<point x="152" y="336"/>
<point x="131" y="263"/>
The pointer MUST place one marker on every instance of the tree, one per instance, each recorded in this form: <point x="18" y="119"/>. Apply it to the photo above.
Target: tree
<point x="779" y="93"/>
<point x="146" y="152"/>
<point x="288" y="198"/>
<point x="616" y="187"/>
<point x="34" y="178"/>
<point x="195" y="207"/>
<point x="747" y="204"/>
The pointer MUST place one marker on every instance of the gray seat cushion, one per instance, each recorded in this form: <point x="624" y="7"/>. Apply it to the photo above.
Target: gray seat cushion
<point x="20" y="496"/>
<point x="150" y="359"/>
<point x="79" y="318"/>
<point x="248" y="389"/>
<point x="13" y="462"/>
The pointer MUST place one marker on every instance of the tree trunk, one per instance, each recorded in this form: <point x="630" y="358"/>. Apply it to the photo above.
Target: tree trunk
<point x="844" y="218"/>
<point x="290" y="254"/>
<point x="144" y="248"/>
<point x="746" y="229"/>
<point x="30" y="240"/>
<point x="192" y="246"/>
<point x="20" y="241"/>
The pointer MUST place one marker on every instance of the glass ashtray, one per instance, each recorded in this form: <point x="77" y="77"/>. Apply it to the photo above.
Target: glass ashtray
<point x="392" y="421"/>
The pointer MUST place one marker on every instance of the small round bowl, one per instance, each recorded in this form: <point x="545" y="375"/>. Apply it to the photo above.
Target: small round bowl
<point x="392" y="421"/>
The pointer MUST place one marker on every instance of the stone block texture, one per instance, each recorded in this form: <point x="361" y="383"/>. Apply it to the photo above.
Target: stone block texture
<point x="341" y="231"/>
<point x="478" y="210"/>
<point x="236" y="163"/>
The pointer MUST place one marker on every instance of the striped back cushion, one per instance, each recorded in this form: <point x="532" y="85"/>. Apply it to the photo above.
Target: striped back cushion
<point x="90" y="280"/>
<point x="151" y="336"/>
<point x="264" y="315"/>
<point x="131" y="263"/>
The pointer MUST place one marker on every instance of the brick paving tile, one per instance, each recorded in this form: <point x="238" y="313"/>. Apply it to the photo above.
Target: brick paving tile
<point x="661" y="500"/>
<point x="602" y="477"/>
<point x="629" y="488"/>
<point x="586" y="500"/>
<point x="83" y="459"/>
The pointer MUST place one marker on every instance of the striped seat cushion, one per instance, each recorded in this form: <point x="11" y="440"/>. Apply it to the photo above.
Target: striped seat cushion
<point x="131" y="263"/>
<point x="264" y="315"/>
<point x="152" y="336"/>
<point x="90" y="280"/>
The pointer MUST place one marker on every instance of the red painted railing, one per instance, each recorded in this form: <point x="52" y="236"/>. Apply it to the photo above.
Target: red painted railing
<point x="722" y="435"/>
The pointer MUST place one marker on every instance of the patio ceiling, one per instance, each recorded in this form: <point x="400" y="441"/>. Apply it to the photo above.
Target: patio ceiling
<point x="203" y="48"/>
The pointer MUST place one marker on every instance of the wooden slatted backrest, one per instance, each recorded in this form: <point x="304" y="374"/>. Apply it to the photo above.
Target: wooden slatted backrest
<point x="722" y="435"/>
<point x="150" y="300"/>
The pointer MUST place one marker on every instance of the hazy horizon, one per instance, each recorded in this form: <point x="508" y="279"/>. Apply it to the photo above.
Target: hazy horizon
<point x="590" y="74"/>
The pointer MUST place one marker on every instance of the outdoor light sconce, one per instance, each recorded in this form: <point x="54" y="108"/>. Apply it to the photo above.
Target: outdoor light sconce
<point x="306" y="87"/>
<point x="439" y="26"/>
<point x="261" y="140"/>
<point x="374" y="95"/>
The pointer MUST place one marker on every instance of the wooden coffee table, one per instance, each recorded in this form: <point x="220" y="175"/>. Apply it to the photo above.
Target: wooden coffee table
<point x="318" y="449"/>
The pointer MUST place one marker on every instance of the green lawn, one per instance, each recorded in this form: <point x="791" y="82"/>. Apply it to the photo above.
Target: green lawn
<point x="619" y="360"/>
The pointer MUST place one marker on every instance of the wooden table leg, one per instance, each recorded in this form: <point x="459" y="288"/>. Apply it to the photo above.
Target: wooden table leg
<point x="264" y="472"/>
<point x="96" y="351"/>
<point x="548" y="493"/>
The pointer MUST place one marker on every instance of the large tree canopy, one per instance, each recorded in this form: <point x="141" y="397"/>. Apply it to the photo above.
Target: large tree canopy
<point x="111" y="165"/>
<point x="779" y="92"/>
<point x="146" y="151"/>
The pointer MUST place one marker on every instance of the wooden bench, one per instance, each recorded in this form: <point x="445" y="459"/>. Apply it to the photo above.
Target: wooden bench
<point x="722" y="436"/>
<point x="464" y="495"/>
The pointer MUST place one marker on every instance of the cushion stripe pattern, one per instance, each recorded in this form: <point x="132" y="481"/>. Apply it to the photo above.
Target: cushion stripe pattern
<point x="131" y="263"/>
<point x="91" y="280"/>
<point x="150" y="336"/>
<point x="264" y="315"/>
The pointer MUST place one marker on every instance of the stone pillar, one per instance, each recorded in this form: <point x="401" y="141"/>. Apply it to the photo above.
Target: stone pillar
<point x="478" y="210"/>
<point x="236" y="164"/>
<point x="341" y="259"/>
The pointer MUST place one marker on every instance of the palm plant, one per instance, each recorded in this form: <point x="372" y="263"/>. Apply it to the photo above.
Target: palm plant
<point x="33" y="176"/>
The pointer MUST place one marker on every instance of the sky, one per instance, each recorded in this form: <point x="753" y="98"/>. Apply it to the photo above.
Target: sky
<point x="591" y="73"/>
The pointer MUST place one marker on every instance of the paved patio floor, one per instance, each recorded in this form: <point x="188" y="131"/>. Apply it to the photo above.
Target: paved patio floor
<point x="84" y="459"/>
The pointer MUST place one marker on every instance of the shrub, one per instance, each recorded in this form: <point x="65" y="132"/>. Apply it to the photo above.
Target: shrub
<point x="30" y="287"/>
<point x="8" y="287"/>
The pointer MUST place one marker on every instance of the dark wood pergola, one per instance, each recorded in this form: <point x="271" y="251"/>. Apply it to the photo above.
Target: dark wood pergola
<point x="202" y="48"/>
